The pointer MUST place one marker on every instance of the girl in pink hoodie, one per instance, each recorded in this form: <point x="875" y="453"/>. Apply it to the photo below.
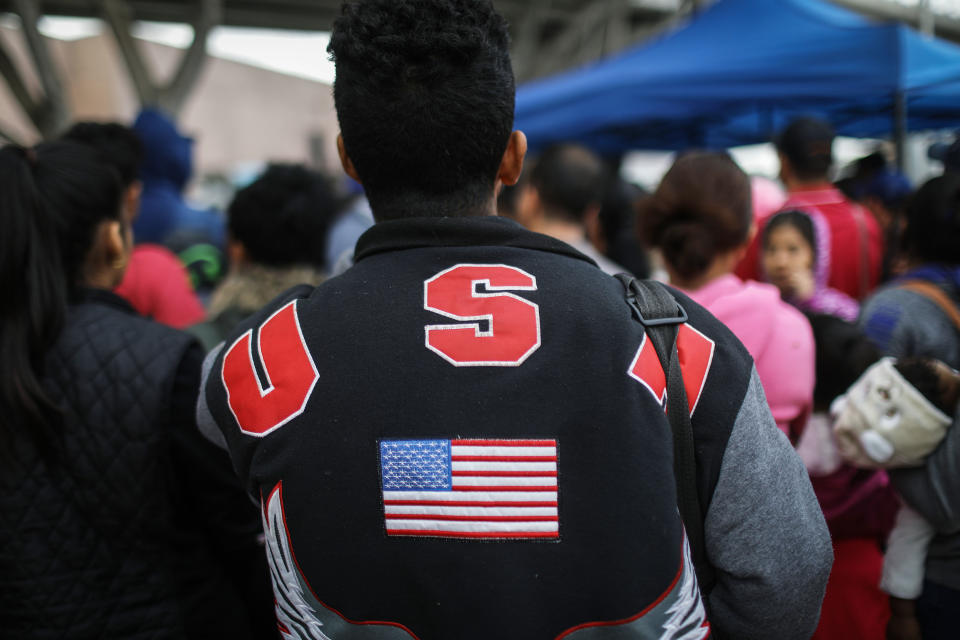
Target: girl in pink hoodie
<point x="700" y="219"/>
<point x="796" y="259"/>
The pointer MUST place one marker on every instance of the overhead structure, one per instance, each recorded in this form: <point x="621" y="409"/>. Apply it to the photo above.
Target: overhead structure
<point x="920" y="15"/>
<point x="549" y="36"/>
<point x="171" y="96"/>
<point x="50" y="112"/>
<point x="738" y="70"/>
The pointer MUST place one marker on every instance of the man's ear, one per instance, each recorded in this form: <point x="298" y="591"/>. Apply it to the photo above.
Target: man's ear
<point x="511" y="164"/>
<point x="345" y="160"/>
<point x="113" y="239"/>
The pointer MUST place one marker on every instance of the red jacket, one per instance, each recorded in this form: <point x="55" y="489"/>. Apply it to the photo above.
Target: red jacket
<point x="157" y="286"/>
<point x="856" y="241"/>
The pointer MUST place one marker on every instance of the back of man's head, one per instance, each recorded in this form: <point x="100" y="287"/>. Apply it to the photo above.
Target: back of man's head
<point x="569" y="181"/>
<point x="115" y="144"/>
<point x="425" y="98"/>
<point x="807" y="143"/>
<point x="281" y="219"/>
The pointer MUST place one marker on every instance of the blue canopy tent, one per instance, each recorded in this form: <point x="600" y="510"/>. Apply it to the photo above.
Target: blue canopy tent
<point x="739" y="70"/>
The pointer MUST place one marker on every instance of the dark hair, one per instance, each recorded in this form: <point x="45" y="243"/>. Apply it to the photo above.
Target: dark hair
<point x="796" y="219"/>
<point x="701" y="209"/>
<point x="52" y="199"/>
<point x="115" y="144"/>
<point x="933" y="221"/>
<point x="808" y="144"/>
<point x="424" y="94"/>
<point x="922" y="374"/>
<point x="618" y="225"/>
<point x="843" y="353"/>
<point x="569" y="179"/>
<point x="282" y="218"/>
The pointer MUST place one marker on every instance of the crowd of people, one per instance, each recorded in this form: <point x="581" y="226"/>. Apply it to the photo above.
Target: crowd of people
<point x="413" y="401"/>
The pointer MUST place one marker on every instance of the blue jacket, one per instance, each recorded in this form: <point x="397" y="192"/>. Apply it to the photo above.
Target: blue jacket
<point x="166" y="169"/>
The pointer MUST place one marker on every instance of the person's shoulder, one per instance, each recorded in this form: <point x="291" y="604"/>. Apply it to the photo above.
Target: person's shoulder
<point x="110" y="331"/>
<point x="894" y="309"/>
<point x="708" y="325"/>
<point x="893" y="301"/>
<point x="281" y="302"/>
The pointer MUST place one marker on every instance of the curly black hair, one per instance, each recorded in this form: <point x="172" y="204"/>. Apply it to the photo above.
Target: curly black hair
<point x="424" y="94"/>
<point x="282" y="218"/>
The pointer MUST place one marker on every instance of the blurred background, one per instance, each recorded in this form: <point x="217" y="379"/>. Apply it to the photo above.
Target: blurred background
<point x="636" y="80"/>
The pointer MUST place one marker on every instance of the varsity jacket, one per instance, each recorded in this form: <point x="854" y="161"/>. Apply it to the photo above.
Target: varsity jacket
<point x="132" y="526"/>
<point x="463" y="436"/>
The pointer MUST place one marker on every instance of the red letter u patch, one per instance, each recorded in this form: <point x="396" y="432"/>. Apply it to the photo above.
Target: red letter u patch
<point x="288" y="367"/>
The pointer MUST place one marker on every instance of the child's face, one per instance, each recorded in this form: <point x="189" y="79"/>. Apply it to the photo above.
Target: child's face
<point x="786" y="254"/>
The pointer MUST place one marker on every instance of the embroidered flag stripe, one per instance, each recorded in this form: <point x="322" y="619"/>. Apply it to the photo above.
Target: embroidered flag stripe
<point x="504" y="443"/>
<point x="502" y="474"/>
<point x="470" y="534"/>
<point x="494" y="466"/>
<point x="469" y="511"/>
<point x="470" y="488"/>
<point x="505" y="458"/>
<point x="465" y="503"/>
<point x="425" y="516"/>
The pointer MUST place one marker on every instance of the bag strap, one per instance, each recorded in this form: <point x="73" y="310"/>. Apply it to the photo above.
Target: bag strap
<point x="936" y="295"/>
<point x="661" y="315"/>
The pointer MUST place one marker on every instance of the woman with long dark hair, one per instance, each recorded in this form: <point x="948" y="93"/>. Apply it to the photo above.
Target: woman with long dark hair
<point x="118" y="519"/>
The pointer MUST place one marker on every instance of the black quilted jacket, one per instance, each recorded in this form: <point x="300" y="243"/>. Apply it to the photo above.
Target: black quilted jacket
<point x="136" y="528"/>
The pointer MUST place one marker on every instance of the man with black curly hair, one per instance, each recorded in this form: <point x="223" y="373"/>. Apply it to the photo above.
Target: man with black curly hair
<point x="276" y="232"/>
<point x="463" y="435"/>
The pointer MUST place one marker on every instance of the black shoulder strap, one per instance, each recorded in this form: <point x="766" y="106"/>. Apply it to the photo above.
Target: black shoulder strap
<point x="661" y="315"/>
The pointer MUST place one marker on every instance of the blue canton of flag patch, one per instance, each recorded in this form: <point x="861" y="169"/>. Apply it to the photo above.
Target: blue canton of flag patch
<point x="417" y="465"/>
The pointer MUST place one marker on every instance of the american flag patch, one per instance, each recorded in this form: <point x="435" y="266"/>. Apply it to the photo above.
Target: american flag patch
<point x="470" y="488"/>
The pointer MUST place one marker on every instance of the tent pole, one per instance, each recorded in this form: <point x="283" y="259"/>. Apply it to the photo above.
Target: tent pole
<point x="900" y="129"/>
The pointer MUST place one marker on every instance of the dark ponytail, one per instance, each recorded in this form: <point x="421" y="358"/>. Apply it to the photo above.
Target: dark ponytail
<point x="52" y="198"/>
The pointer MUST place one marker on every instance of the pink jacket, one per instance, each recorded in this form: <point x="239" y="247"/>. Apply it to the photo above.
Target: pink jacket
<point x="777" y="336"/>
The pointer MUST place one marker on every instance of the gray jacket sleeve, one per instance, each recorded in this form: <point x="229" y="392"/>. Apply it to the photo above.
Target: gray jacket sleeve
<point x="765" y="533"/>
<point x="205" y="422"/>
<point x="934" y="489"/>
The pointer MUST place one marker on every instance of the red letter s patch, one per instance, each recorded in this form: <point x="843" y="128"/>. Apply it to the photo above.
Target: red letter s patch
<point x="513" y="323"/>
<point x="290" y="371"/>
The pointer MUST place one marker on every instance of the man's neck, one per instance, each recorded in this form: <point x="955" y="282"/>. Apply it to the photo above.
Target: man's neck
<point x="569" y="232"/>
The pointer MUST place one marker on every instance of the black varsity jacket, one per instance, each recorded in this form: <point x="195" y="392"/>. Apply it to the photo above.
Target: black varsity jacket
<point x="463" y="436"/>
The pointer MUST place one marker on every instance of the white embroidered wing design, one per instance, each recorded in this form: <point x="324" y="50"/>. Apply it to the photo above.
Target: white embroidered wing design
<point x="295" y="616"/>
<point x="686" y="616"/>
